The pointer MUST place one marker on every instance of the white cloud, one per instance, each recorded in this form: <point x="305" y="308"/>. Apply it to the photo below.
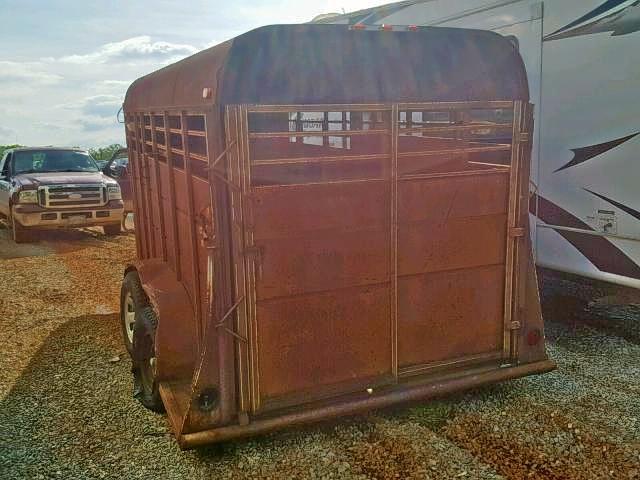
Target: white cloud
<point x="116" y="83"/>
<point x="66" y="90"/>
<point x="7" y="135"/>
<point x="104" y="106"/>
<point x="137" y="50"/>
<point x="31" y="72"/>
<point x="96" y="124"/>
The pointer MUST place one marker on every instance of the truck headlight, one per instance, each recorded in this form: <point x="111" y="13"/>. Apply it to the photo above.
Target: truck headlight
<point x="114" y="192"/>
<point x="28" y="196"/>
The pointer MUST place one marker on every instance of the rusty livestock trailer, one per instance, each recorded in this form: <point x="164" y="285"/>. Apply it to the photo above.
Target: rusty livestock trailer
<point x="329" y="219"/>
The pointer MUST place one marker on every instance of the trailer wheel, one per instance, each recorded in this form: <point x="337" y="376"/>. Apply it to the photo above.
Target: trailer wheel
<point x="146" y="388"/>
<point x="132" y="300"/>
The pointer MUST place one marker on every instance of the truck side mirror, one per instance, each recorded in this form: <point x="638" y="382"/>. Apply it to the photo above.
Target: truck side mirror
<point x="118" y="170"/>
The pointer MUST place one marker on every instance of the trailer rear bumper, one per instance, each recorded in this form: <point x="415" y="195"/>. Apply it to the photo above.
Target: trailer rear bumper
<point x="401" y="394"/>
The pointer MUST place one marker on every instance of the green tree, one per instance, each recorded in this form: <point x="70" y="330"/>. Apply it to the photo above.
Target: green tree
<point x="104" y="153"/>
<point x="7" y="147"/>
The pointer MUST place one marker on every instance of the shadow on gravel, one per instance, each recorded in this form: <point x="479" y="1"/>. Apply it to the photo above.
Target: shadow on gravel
<point x="71" y="413"/>
<point x="45" y="242"/>
<point x="577" y="302"/>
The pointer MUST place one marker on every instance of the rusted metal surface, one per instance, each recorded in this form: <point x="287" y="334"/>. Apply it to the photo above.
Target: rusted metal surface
<point x="325" y="250"/>
<point x="325" y="64"/>
<point x="436" y="388"/>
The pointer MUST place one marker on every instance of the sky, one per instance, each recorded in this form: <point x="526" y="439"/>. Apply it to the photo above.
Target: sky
<point x="65" y="65"/>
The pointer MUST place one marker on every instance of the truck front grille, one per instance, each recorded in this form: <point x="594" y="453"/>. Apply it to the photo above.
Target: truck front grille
<point x="72" y="196"/>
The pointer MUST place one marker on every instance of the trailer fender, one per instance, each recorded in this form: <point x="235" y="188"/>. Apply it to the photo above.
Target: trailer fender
<point x="176" y="332"/>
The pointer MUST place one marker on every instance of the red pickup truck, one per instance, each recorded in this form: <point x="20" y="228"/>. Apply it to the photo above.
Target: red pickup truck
<point x="52" y="188"/>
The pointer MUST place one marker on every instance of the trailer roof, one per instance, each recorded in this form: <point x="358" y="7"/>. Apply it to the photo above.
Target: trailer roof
<point x="323" y="64"/>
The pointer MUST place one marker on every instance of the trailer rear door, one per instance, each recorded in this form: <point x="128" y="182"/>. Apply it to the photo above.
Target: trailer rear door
<point x="372" y="242"/>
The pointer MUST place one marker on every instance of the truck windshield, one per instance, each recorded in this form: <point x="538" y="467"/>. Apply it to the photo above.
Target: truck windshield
<point x="32" y="161"/>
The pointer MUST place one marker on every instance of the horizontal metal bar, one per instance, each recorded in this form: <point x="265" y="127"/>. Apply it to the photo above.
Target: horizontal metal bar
<point x="326" y="133"/>
<point x="365" y="402"/>
<point x="442" y="106"/>
<point x="196" y="133"/>
<point x="498" y="165"/>
<point x="174" y="109"/>
<point x="331" y="107"/>
<point x="298" y="185"/>
<point x="457" y="128"/>
<point x="503" y="147"/>
<point x="310" y="160"/>
<point x="464" y="173"/>
<point x="197" y="156"/>
<point x="418" y="369"/>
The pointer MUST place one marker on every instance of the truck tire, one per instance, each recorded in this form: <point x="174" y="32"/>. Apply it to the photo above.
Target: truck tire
<point x="146" y="387"/>
<point x="132" y="300"/>
<point x="112" y="229"/>
<point x="19" y="233"/>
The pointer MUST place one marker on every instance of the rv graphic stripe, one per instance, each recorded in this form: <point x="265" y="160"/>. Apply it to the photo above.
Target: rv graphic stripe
<point x="603" y="254"/>
<point x="621" y="17"/>
<point x="621" y="206"/>
<point x="608" y="5"/>
<point x="581" y="155"/>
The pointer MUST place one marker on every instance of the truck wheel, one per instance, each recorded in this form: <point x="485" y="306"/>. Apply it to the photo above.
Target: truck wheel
<point x="132" y="300"/>
<point x="112" y="229"/>
<point x="19" y="233"/>
<point x="146" y="388"/>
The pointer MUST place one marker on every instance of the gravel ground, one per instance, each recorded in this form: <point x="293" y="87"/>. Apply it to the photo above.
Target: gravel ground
<point x="66" y="409"/>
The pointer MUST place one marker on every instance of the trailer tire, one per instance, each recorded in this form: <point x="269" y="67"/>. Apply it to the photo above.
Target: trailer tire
<point x="146" y="387"/>
<point x="132" y="300"/>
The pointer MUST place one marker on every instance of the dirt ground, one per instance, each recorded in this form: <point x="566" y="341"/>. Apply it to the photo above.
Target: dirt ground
<point x="66" y="406"/>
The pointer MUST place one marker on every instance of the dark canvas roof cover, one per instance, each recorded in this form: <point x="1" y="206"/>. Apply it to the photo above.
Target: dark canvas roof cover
<point x="311" y="64"/>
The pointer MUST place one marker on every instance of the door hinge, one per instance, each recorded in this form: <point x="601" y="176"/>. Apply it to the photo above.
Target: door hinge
<point x="516" y="232"/>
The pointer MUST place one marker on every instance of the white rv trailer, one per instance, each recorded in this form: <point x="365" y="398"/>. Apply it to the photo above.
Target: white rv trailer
<point x="583" y="64"/>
